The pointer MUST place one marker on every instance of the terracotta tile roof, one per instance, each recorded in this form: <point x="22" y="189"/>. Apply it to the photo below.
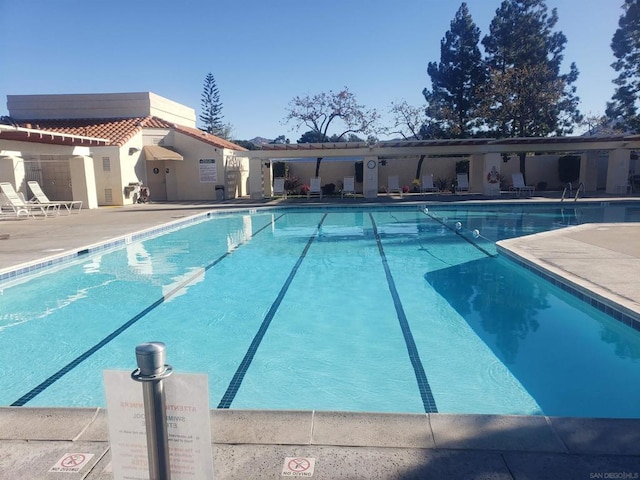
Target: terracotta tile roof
<point x="207" y="137"/>
<point x="120" y="130"/>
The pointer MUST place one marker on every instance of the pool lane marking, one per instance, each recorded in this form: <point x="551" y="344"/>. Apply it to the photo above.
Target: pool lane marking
<point x="241" y="371"/>
<point x="428" y="401"/>
<point x="83" y="356"/>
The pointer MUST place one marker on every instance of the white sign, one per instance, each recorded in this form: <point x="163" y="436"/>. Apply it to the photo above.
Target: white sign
<point x="71" y="462"/>
<point x="298" y="467"/>
<point x="188" y="422"/>
<point x="208" y="170"/>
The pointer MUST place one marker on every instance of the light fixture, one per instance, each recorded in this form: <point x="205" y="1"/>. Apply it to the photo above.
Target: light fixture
<point x="133" y="150"/>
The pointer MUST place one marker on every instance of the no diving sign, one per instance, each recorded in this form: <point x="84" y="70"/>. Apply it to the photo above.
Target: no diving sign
<point x="298" y="467"/>
<point x="71" y="462"/>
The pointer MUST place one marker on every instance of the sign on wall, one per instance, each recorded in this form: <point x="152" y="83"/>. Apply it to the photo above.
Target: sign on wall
<point x="208" y="170"/>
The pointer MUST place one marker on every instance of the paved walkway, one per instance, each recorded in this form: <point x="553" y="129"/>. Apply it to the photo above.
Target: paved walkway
<point x="254" y="444"/>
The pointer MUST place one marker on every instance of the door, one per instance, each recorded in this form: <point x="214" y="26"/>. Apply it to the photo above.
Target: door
<point x="157" y="180"/>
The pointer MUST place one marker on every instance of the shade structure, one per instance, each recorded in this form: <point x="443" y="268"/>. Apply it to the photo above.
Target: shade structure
<point x="156" y="152"/>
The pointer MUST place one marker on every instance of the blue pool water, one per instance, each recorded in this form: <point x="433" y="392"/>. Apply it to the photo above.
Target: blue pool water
<point x="377" y="310"/>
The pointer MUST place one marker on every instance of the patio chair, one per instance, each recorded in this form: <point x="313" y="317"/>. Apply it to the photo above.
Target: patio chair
<point x="278" y="187"/>
<point x="17" y="206"/>
<point x="463" y="182"/>
<point x="427" y="184"/>
<point x="314" y="188"/>
<point x="393" y="185"/>
<point x="40" y="197"/>
<point x="348" y="187"/>
<point x="519" y="185"/>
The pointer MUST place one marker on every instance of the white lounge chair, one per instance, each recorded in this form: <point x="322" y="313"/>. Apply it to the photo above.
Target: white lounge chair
<point x="427" y="184"/>
<point x="18" y="207"/>
<point x="393" y="185"/>
<point x="463" y="182"/>
<point x="278" y="187"/>
<point x="40" y="197"/>
<point x="314" y="188"/>
<point x="519" y="185"/>
<point x="348" y="187"/>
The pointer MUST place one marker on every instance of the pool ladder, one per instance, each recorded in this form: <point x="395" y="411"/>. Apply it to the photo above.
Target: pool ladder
<point x="569" y="187"/>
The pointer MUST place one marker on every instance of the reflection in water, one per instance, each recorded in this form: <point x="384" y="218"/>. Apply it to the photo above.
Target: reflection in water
<point x="240" y="235"/>
<point x="505" y="303"/>
<point x="624" y="345"/>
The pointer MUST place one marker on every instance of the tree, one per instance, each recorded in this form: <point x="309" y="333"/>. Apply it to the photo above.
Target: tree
<point x="280" y="139"/>
<point x="312" y="137"/>
<point x="457" y="80"/>
<point x="523" y="101"/>
<point x="412" y="124"/>
<point x="211" y="115"/>
<point x="324" y="110"/>
<point x="623" y="109"/>
<point x="526" y="94"/>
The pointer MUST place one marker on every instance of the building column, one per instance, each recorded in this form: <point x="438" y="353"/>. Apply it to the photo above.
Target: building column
<point x="256" y="185"/>
<point x="12" y="171"/>
<point x="491" y="174"/>
<point x="618" y="170"/>
<point x="370" y="177"/>
<point x="83" y="181"/>
<point x="589" y="170"/>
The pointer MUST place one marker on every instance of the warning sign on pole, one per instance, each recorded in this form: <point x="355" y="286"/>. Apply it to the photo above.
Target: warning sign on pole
<point x="188" y="422"/>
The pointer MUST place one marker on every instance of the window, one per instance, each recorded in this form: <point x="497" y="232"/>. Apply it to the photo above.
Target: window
<point x="108" y="195"/>
<point x="106" y="164"/>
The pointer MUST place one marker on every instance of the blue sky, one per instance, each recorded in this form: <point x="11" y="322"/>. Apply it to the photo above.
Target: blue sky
<point x="263" y="53"/>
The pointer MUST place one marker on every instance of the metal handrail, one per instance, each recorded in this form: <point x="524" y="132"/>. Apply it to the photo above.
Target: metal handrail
<point x="569" y="187"/>
<point x="581" y="186"/>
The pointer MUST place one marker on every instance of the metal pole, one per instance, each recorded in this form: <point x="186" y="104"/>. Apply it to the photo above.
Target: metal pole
<point x="151" y="371"/>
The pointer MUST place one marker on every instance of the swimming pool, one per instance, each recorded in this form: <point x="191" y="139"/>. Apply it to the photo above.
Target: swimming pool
<point x="373" y="309"/>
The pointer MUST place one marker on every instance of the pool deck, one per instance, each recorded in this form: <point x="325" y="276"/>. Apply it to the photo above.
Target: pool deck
<point x="601" y="261"/>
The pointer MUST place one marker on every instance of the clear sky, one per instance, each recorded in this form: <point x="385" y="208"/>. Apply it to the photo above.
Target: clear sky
<point x="263" y="53"/>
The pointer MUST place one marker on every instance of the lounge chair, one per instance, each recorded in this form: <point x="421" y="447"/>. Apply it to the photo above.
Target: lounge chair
<point x="427" y="184"/>
<point x="393" y="185"/>
<point x="40" y="197"/>
<point x="463" y="182"/>
<point x="314" y="188"/>
<point x="348" y="187"/>
<point x="519" y="185"/>
<point x="278" y="187"/>
<point x="18" y="207"/>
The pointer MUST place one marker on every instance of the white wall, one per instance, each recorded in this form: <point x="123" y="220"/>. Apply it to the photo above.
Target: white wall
<point x="111" y="179"/>
<point x="99" y="105"/>
<point x="187" y="185"/>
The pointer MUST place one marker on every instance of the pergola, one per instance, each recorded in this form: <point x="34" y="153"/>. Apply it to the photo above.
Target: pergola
<point x="483" y="153"/>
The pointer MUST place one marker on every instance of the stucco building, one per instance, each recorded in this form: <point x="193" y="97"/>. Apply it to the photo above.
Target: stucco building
<point x="100" y="148"/>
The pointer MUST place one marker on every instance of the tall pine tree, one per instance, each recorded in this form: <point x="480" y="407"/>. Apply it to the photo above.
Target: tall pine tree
<point x="457" y="80"/>
<point x="623" y="109"/>
<point x="526" y="95"/>
<point x="524" y="55"/>
<point x="211" y="115"/>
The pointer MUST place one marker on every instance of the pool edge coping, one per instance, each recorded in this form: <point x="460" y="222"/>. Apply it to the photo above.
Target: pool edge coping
<point x="438" y="431"/>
